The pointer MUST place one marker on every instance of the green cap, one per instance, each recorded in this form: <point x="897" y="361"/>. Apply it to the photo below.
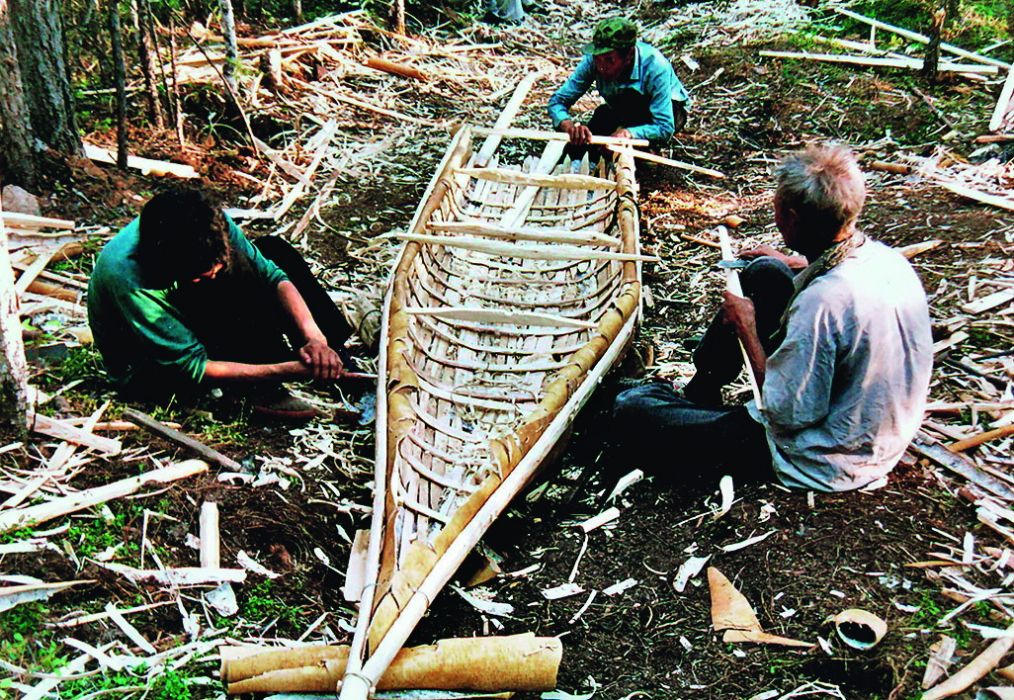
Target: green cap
<point x="610" y="34"/>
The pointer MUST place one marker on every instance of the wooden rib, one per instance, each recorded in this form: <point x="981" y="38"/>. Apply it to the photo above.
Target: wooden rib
<point x="540" y="235"/>
<point x="516" y="215"/>
<point x="503" y="250"/>
<point x="515" y="318"/>
<point x="453" y="395"/>
<point x="402" y="498"/>
<point x="440" y="426"/>
<point x="491" y="349"/>
<point x="428" y="473"/>
<point x="564" y="299"/>
<point x="483" y="366"/>
<point x="514" y="177"/>
<point x="526" y="281"/>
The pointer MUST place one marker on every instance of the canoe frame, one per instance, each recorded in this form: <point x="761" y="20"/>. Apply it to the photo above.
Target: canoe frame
<point x="362" y="673"/>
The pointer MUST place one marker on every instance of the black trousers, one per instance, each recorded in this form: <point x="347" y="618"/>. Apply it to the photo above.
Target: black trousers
<point x="694" y="437"/>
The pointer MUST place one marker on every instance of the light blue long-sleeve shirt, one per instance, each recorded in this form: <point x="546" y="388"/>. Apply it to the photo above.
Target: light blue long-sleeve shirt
<point x="651" y="75"/>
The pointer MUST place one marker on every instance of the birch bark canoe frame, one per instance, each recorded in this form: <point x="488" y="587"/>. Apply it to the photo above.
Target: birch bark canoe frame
<point x="486" y="359"/>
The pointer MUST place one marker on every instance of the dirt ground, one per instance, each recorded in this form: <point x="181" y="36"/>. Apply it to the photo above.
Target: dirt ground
<point x="826" y="553"/>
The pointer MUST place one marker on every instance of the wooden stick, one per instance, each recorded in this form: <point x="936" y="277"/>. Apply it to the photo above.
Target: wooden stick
<point x="896" y="168"/>
<point x="29" y="221"/>
<point x="914" y="63"/>
<point x="932" y="450"/>
<point x="985" y="198"/>
<point x="507" y="250"/>
<point x="652" y="158"/>
<point x="517" y="318"/>
<point x="68" y="433"/>
<point x="541" y="235"/>
<point x="537" y="135"/>
<point x="394" y="68"/>
<point x="515" y="177"/>
<point x="174" y="436"/>
<point x="732" y="285"/>
<point x="1003" y="103"/>
<point x="147" y="166"/>
<point x="988" y="302"/>
<point x="976" y="440"/>
<point x="974" y="670"/>
<point x="505" y="119"/>
<point x="921" y="38"/>
<point x="33" y="270"/>
<point x="913" y="249"/>
<point x="211" y="551"/>
<point x="33" y="515"/>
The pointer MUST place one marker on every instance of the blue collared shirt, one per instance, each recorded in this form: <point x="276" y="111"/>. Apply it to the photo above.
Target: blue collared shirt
<point x="652" y="75"/>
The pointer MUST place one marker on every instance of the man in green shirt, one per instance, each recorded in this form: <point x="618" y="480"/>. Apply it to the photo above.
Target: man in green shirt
<point x="180" y="301"/>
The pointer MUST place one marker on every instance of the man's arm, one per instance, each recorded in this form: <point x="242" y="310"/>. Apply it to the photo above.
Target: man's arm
<point x="241" y="372"/>
<point x="570" y="92"/>
<point x="739" y="313"/>
<point x="321" y="361"/>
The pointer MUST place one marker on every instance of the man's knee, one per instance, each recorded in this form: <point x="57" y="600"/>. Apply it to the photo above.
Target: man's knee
<point x="766" y="273"/>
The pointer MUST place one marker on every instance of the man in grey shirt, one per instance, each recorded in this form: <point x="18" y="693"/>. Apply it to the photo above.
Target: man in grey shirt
<point x="842" y="350"/>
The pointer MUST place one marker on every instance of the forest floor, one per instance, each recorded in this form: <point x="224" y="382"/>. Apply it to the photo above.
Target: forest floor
<point x="304" y="491"/>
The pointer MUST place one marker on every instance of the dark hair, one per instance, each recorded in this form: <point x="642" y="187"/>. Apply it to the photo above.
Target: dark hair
<point x="183" y="233"/>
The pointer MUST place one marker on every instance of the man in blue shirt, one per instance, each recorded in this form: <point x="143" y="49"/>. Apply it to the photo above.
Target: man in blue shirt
<point x="643" y="97"/>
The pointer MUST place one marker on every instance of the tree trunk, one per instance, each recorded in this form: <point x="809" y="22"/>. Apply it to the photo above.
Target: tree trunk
<point x="39" y="37"/>
<point x="149" y="64"/>
<point x="120" y="76"/>
<point x="177" y="100"/>
<point x="13" y="369"/>
<point x="398" y="16"/>
<point x="297" y="10"/>
<point x="17" y="156"/>
<point x="231" y="51"/>
<point x="932" y="60"/>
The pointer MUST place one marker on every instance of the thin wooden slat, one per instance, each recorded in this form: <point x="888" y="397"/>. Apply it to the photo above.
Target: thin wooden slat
<point x="732" y="284"/>
<point x="29" y="221"/>
<point x="516" y="215"/>
<point x="513" y="177"/>
<point x="503" y="121"/>
<point x="515" y="318"/>
<point x="539" y="235"/>
<point x="558" y="252"/>
<point x="652" y="158"/>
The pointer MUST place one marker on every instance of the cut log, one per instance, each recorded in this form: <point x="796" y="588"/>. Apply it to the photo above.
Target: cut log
<point x="174" y="436"/>
<point x="521" y="662"/>
<point x="32" y="515"/>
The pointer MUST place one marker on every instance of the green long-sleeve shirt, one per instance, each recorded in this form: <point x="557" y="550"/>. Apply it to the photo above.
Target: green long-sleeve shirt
<point x="140" y="330"/>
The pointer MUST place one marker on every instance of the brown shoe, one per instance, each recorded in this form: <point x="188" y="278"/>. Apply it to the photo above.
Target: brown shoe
<point x="286" y="406"/>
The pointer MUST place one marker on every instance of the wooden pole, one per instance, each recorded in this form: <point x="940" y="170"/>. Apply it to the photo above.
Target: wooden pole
<point x="150" y="424"/>
<point x="732" y="284"/>
<point x="652" y="158"/>
<point x="231" y="50"/>
<point x="505" y="119"/>
<point x="13" y="367"/>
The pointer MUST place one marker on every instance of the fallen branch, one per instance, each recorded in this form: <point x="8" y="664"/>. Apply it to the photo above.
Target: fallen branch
<point x="913" y="63"/>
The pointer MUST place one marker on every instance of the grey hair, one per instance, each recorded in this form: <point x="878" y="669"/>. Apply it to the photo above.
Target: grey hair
<point x="825" y="187"/>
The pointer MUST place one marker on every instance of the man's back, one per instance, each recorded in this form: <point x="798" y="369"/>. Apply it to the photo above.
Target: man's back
<point x="844" y="393"/>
